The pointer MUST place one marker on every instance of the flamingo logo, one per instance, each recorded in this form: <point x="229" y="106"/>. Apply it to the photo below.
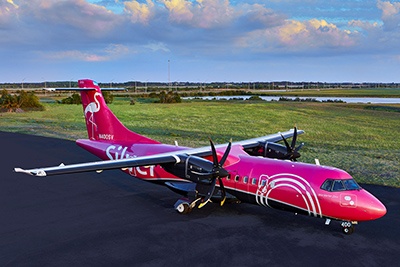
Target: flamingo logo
<point x="92" y="108"/>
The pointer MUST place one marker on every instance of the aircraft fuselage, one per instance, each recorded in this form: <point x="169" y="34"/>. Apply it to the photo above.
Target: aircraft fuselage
<point x="285" y="185"/>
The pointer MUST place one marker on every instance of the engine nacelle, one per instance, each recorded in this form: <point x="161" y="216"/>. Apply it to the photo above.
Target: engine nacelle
<point x="192" y="168"/>
<point x="269" y="150"/>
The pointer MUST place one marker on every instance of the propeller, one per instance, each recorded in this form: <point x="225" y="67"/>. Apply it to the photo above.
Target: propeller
<point x="292" y="152"/>
<point x="218" y="172"/>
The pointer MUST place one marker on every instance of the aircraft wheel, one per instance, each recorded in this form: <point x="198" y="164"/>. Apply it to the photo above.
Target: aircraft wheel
<point x="347" y="228"/>
<point x="183" y="208"/>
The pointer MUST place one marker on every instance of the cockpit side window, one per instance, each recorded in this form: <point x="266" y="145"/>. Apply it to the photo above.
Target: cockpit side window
<point x="333" y="185"/>
<point x="327" y="185"/>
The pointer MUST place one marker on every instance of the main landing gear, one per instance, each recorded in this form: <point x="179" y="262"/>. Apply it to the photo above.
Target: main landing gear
<point x="184" y="206"/>
<point x="347" y="228"/>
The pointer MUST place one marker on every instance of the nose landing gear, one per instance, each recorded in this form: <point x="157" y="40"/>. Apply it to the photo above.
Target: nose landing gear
<point x="347" y="228"/>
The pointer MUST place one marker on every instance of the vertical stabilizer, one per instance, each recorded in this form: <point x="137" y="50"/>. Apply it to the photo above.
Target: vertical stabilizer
<point x="101" y="123"/>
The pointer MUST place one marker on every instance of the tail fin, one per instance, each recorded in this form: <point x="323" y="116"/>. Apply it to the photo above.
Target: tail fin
<point x="101" y="123"/>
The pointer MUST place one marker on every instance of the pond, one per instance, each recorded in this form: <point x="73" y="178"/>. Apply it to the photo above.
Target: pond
<point x="363" y="100"/>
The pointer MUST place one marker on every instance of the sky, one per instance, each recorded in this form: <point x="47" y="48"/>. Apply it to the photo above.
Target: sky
<point x="200" y="40"/>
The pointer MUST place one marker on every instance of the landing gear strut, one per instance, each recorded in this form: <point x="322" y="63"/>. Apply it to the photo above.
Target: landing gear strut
<point x="347" y="228"/>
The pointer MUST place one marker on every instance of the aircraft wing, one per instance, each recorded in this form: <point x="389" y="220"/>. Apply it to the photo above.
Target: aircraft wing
<point x="157" y="159"/>
<point x="103" y="165"/>
<point x="249" y="143"/>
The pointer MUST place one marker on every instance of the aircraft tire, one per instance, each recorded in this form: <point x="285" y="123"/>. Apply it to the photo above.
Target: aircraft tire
<point x="348" y="230"/>
<point x="183" y="208"/>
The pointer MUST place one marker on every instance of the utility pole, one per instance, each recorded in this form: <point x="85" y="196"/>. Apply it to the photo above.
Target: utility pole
<point x="169" y="77"/>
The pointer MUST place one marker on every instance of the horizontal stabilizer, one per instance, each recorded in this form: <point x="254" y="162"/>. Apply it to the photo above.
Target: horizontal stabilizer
<point x="82" y="89"/>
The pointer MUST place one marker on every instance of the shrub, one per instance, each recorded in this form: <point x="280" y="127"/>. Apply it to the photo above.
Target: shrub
<point x="73" y="99"/>
<point x="108" y="97"/>
<point x="255" y="98"/>
<point x="21" y="100"/>
<point x="169" y="97"/>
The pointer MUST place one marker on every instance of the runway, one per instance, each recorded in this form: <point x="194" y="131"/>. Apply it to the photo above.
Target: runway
<point x="112" y="219"/>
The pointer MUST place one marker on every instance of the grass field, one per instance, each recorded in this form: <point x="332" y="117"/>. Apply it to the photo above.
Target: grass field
<point x="362" y="140"/>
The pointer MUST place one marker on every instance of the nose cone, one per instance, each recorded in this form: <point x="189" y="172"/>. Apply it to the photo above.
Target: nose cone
<point x="377" y="209"/>
<point x="373" y="208"/>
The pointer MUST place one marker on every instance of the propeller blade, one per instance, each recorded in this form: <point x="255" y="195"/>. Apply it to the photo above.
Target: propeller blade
<point x="300" y="146"/>
<point x="226" y="154"/>
<point x="292" y="152"/>
<point x="209" y="194"/>
<point x="223" y="192"/>
<point x="294" y="139"/>
<point x="286" y="144"/>
<point x="217" y="173"/>
<point x="214" y="153"/>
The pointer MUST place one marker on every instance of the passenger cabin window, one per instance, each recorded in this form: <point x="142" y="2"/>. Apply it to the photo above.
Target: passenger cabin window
<point x="237" y="178"/>
<point x="333" y="185"/>
<point x="253" y="181"/>
<point x="245" y="179"/>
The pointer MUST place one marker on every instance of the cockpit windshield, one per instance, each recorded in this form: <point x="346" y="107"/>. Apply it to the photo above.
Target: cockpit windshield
<point x="333" y="185"/>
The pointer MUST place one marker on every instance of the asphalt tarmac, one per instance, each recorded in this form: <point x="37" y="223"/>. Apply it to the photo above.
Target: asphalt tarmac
<point x="111" y="219"/>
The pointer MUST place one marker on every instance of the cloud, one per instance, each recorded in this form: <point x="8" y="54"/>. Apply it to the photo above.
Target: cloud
<point x="200" y="13"/>
<point x="111" y="52"/>
<point x="258" y="16"/>
<point x="139" y="12"/>
<point x="388" y="9"/>
<point x="36" y="21"/>
<point x="77" y="55"/>
<point x="11" y="2"/>
<point x="8" y="11"/>
<point x="213" y="13"/>
<point x="312" y="36"/>
<point x="216" y="30"/>
<point x="179" y="10"/>
<point x="364" y="25"/>
<point x="390" y="14"/>
<point x="208" y="27"/>
<point x="157" y="47"/>
<point x="78" y="14"/>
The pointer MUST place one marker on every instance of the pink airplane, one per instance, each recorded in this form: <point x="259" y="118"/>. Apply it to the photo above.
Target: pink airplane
<point x="257" y="171"/>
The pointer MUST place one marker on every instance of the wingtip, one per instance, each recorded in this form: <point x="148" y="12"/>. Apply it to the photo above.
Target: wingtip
<point x="20" y="170"/>
<point x="41" y="173"/>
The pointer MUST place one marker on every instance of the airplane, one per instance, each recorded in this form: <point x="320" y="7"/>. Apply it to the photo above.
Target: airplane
<point x="258" y="171"/>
